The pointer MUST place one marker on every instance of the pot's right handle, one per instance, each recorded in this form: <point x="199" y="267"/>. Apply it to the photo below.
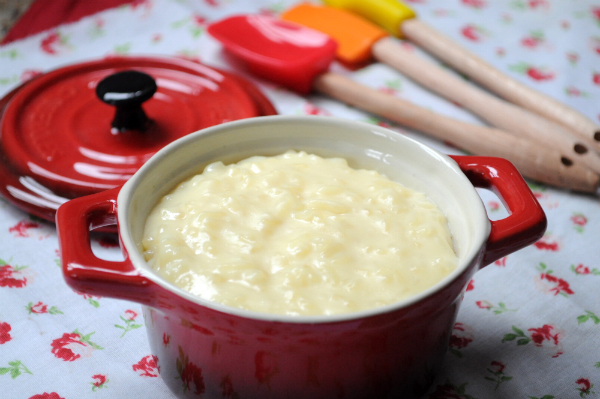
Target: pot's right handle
<point x="84" y="271"/>
<point x="526" y="222"/>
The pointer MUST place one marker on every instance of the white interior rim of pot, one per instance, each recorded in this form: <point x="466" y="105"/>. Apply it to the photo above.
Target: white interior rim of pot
<point x="365" y="146"/>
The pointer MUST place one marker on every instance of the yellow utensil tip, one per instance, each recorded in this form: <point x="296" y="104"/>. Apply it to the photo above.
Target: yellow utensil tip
<point x="388" y="14"/>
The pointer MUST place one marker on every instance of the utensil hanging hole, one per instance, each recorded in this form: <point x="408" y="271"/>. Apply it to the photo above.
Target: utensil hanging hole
<point x="566" y="161"/>
<point x="580" y="148"/>
<point x="597" y="136"/>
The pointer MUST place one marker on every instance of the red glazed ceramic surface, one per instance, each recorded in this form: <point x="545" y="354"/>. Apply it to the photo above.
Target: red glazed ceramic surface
<point x="57" y="142"/>
<point x="208" y="349"/>
<point x="280" y="51"/>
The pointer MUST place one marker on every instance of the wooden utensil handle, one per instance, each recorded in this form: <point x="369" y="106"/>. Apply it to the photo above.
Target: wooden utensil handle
<point x="494" y="110"/>
<point x="510" y="89"/>
<point x="532" y="159"/>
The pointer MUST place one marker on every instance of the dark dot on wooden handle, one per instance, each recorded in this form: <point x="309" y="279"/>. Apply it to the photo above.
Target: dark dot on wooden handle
<point x="566" y="161"/>
<point x="580" y="148"/>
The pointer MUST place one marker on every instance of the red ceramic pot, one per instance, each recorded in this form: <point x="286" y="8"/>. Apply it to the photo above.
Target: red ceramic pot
<point x="210" y="350"/>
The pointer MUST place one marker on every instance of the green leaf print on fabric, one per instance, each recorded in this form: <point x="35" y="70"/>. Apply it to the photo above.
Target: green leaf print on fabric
<point x="392" y="87"/>
<point x="549" y="283"/>
<point x="573" y="58"/>
<point x="581" y="269"/>
<point x="13" y="276"/>
<point x="10" y="54"/>
<point x="180" y="23"/>
<point x="41" y="307"/>
<point x="534" y="72"/>
<point x="534" y="39"/>
<point x="585" y="387"/>
<point x="195" y="25"/>
<point x="86" y="339"/>
<point x="97" y="29"/>
<point x="588" y="316"/>
<point x="529" y="5"/>
<point x="518" y="333"/>
<point x="547" y="337"/>
<point x="99" y="383"/>
<point x="91" y="299"/>
<point x="573" y="91"/>
<point x="274" y="9"/>
<point x="487" y="305"/>
<point x="497" y="371"/>
<point x="129" y="322"/>
<point x="449" y="390"/>
<point x="579" y="222"/>
<point x="124" y="48"/>
<point x="16" y="368"/>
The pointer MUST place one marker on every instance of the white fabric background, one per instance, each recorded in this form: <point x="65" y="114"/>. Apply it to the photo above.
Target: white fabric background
<point x="565" y="365"/>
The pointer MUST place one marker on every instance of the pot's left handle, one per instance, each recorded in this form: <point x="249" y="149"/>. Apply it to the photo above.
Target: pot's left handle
<point x="84" y="271"/>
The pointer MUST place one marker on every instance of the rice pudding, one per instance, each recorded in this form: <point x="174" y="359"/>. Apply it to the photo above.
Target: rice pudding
<point x="298" y="234"/>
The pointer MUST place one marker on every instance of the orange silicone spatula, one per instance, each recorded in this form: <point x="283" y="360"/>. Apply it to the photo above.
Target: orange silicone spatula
<point x="360" y="40"/>
<point x="272" y="48"/>
<point x="398" y="19"/>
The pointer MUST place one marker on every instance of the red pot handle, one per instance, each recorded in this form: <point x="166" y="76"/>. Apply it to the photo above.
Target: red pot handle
<point x="84" y="271"/>
<point x="526" y="222"/>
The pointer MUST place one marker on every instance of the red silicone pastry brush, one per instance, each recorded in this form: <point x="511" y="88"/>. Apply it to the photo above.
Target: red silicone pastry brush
<point x="298" y="58"/>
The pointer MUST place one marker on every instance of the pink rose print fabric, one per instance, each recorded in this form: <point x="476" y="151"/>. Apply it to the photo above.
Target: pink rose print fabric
<point x="147" y="366"/>
<point x="52" y="395"/>
<point x="23" y="228"/>
<point x="100" y="381"/>
<point x="473" y="33"/>
<point x="128" y="322"/>
<point x="547" y="337"/>
<point x="73" y="346"/>
<point x="585" y="270"/>
<point x="528" y="325"/>
<point x="585" y="387"/>
<point x="497" y="374"/>
<point x="42" y="308"/>
<point x="13" y="276"/>
<point x="461" y="337"/>
<point x="5" y="333"/>
<point x="547" y="282"/>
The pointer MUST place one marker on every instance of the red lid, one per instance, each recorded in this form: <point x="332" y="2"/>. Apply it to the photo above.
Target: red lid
<point x="59" y="140"/>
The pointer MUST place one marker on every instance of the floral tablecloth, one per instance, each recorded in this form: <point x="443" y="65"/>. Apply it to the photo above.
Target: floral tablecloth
<point x="529" y="325"/>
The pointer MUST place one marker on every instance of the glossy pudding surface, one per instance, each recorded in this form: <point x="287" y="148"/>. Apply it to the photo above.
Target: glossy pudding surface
<point x="297" y="234"/>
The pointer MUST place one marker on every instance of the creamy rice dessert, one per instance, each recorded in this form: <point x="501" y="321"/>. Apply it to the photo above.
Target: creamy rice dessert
<point x="298" y="234"/>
